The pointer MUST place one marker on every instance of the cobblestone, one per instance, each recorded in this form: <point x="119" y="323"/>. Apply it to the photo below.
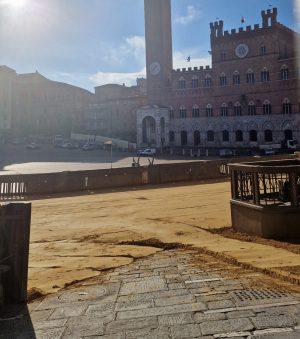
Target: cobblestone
<point x="167" y="295"/>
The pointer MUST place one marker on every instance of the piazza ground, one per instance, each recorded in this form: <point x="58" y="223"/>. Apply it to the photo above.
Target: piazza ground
<point x="77" y="237"/>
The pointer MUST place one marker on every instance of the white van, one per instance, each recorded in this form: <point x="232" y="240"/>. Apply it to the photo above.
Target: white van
<point x="147" y="152"/>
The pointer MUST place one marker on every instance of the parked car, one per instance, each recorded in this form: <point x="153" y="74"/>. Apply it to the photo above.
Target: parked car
<point x="224" y="153"/>
<point x="269" y="151"/>
<point x="147" y="152"/>
<point x="89" y="147"/>
<point x="33" y="145"/>
<point x="69" y="145"/>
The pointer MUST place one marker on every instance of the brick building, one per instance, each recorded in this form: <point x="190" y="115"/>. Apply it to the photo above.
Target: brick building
<point x="250" y="96"/>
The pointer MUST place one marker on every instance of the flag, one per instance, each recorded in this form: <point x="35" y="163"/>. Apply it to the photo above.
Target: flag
<point x="108" y="142"/>
<point x="243" y="20"/>
<point x="210" y="52"/>
<point x="188" y="59"/>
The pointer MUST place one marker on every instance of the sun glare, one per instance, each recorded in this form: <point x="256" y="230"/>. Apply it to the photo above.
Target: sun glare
<point x="14" y="4"/>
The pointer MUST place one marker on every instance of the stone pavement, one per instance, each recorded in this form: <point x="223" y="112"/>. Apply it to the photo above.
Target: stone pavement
<point x="172" y="294"/>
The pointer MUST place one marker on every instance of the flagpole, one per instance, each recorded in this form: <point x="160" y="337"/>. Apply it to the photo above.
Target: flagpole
<point x="111" y="156"/>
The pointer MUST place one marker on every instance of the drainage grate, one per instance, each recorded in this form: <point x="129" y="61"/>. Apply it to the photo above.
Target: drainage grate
<point x="253" y="296"/>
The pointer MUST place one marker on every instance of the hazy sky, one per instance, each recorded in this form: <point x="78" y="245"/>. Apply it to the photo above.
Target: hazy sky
<point x="92" y="42"/>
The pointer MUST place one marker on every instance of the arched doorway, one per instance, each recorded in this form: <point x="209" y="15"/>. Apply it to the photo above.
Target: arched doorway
<point x="288" y="134"/>
<point x="196" y="138"/>
<point x="148" y="131"/>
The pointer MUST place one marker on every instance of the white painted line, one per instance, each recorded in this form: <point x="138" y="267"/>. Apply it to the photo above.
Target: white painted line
<point x="232" y="335"/>
<point x="252" y="307"/>
<point x="203" y="280"/>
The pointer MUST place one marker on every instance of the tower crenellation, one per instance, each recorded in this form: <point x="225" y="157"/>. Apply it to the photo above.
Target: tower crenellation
<point x="269" y="17"/>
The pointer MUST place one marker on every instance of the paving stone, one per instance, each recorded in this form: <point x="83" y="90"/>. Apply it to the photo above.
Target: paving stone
<point x="280" y="310"/>
<point x="175" y="319"/>
<point x="78" y="327"/>
<point x="108" y="336"/>
<point x="176" y="286"/>
<point x="184" y="299"/>
<point x="40" y="315"/>
<point x="240" y="314"/>
<point x="262" y="322"/>
<point x="185" y="331"/>
<point x="162" y="310"/>
<point x="43" y="334"/>
<point x="143" y="286"/>
<point x="223" y="326"/>
<point x="133" y="305"/>
<point x="102" y="307"/>
<point x="161" y="332"/>
<point x="213" y="305"/>
<point x="215" y="297"/>
<point x="133" y="324"/>
<point x="66" y="312"/>
<point x="276" y="333"/>
<point x="200" y="317"/>
<point x="153" y="295"/>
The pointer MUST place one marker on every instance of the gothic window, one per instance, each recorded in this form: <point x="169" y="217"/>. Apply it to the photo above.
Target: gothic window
<point x="197" y="138"/>
<point x="209" y="110"/>
<point x="171" y="113"/>
<point x="284" y="72"/>
<point x="225" y="135"/>
<point x="171" y="136"/>
<point x="265" y="76"/>
<point x="237" y="109"/>
<point x="181" y="83"/>
<point x="268" y="135"/>
<point x="253" y="135"/>
<point x="183" y="137"/>
<point x="224" y="110"/>
<point x="251" y="108"/>
<point x="239" y="135"/>
<point x="195" y="82"/>
<point x="210" y="136"/>
<point x="196" y="111"/>
<point x="267" y="108"/>
<point x="250" y="77"/>
<point x="182" y="112"/>
<point x="223" y="79"/>
<point x="207" y="81"/>
<point x="263" y="50"/>
<point x="236" y="78"/>
<point x="286" y="106"/>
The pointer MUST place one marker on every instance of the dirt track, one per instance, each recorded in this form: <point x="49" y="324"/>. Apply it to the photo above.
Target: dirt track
<point x="74" y="238"/>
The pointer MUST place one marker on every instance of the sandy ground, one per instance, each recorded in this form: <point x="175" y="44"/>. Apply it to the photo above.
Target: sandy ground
<point x="73" y="238"/>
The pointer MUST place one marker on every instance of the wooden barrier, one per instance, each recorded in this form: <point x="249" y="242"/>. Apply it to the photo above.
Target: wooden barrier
<point x="14" y="244"/>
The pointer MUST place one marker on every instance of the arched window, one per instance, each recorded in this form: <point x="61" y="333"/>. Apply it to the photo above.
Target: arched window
<point x="288" y="134"/>
<point x="239" y="135"/>
<point x="253" y="135"/>
<point x="223" y="79"/>
<point x="181" y="83"/>
<point x="236" y="78"/>
<point x="251" y="108"/>
<point x="284" y="72"/>
<point x="171" y="112"/>
<point x="265" y="76"/>
<point x="196" y="111"/>
<point x="267" y="108"/>
<point x="183" y="137"/>
<point x="182" y="112"/>
<point x="237" y="109"/>
<point x="286" y="106"/>
<point x="210" y="136"/>
<point x="209" y="110"/>
<point x="268" y="135"/>
<point x="225" y="135"/>
<point x="224" y="110"/>
<point x="196" y="138"/>
<point x="195" y="82"/>
<point x="250" y="77"/>
<point x="171" y="136"/>
<point x="207" y="81"/>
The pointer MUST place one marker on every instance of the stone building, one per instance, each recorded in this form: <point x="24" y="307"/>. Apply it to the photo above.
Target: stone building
<point x="31" y="104"/>
<point x="113" y="110"/>
<point x="250" y="96"/>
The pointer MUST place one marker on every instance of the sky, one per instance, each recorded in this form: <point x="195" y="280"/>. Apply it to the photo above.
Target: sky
<point x="88" y="43"/>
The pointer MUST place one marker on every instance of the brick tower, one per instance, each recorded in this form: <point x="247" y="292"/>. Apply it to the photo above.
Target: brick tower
<point x="158" y="33"/>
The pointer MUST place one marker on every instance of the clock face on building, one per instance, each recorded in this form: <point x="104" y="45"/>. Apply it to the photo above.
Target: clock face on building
<point x="154" y="68"/>
<point x="241" y="50"/>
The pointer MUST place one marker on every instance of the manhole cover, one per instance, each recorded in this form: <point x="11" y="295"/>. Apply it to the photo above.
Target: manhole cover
<point x="261" y="296"/>
<point x="83" y="294"/>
